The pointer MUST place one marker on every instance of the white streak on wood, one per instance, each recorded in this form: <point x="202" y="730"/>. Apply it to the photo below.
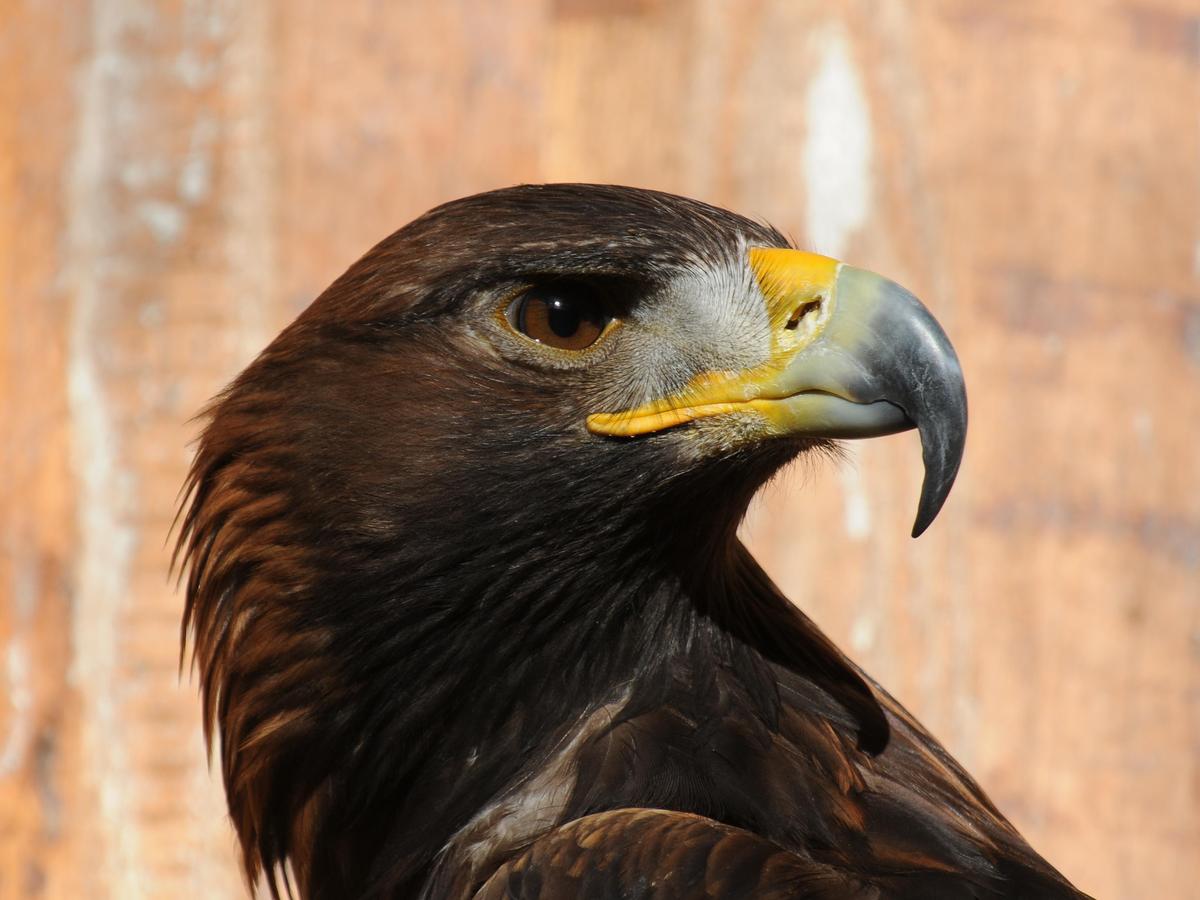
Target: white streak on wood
<point x="865" y="630"/>
<point x="15" y="742"/>
<point x="837" y="147"/>
<point x="16" y="738"/>
<point x="104" y="482"/>
<point x="857" y="508"/>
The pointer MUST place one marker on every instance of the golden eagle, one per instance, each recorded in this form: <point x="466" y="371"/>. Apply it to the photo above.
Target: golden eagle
<point x="466" y="597"/>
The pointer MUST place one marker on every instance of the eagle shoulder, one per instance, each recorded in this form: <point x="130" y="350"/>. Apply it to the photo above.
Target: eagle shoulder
<point x="654" y="854"/>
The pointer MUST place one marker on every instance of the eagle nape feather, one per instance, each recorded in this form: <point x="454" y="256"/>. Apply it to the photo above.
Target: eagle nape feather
<point x="465" y="593"/>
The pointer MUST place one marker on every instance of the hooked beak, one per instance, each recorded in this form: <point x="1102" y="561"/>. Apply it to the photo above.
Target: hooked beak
<point x="852" y="355"/>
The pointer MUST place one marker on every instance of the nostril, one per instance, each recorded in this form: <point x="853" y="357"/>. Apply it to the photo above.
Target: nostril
<point x="809" y="306"/>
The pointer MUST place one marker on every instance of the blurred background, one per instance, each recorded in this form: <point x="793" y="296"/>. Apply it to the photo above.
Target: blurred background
<point x="179" y="179"/>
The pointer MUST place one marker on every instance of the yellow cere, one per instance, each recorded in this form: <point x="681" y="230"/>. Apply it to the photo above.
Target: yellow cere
<point x="798" y="288"/>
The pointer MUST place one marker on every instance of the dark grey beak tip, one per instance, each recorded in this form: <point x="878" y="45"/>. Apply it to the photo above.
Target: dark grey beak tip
<point x="918" y="371"/>
<point x="943" y="430"/>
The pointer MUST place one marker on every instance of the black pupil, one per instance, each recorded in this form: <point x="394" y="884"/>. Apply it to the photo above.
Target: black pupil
<point x="564" y="316"/>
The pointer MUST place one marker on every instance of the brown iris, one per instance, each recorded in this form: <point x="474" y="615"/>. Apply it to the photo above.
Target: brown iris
<point x="568" y="318"/>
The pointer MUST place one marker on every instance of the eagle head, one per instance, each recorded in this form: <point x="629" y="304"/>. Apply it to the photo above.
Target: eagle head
<point x="493" y="473"/>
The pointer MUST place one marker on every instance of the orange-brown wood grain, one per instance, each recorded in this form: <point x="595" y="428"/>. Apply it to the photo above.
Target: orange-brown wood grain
<point x="37" y="546"/>
<point x="178" y="179"/>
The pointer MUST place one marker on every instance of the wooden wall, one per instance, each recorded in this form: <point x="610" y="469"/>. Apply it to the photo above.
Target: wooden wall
<point x="179" y="178"/>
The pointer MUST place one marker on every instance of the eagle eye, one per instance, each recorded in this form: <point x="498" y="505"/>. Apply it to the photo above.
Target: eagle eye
<point x="564" y="317"/>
